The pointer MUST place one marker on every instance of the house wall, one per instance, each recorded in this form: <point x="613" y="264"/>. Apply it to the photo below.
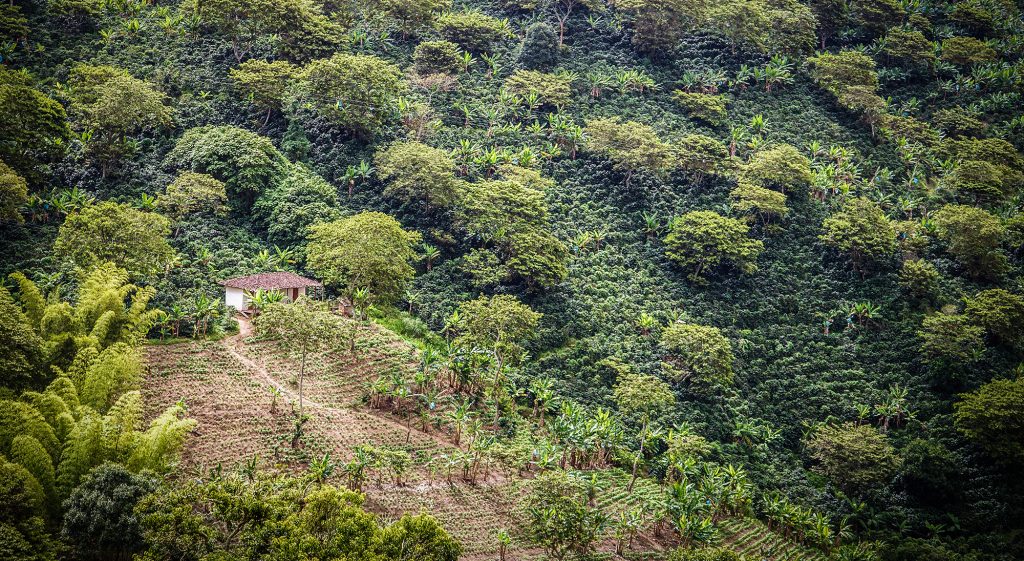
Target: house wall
<point x="235" y="298"/>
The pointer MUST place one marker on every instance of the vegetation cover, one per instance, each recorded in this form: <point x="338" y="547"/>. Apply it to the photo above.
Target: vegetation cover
<point x="667" y="279"/>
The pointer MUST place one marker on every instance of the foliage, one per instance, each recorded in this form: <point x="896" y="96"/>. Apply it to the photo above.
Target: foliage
<point x="13" y="193"/>
<point x="991" y="416"/>
<point x="499" y="323"/>
<point x="418" y="537"/>
<point x="862" y="230"/>
<point x="704" y="107"/>
<point x="115" y="233"/>
<point x="966" y="51"/>
<point x="973" y="237"/>
<point x="998" y="312"/>
<point x="192" y="193"/>
<point x="418" y="173"/>
<point x="703" y="554"/>
<point x="300" y="200"/>
<point x="551" y="89"/>
<point x="840" y="72"/>
<point x="857" y="458"/>
<point x="920" y="279"/>
<point x="22" y="525"/>
<point x="437" y="57"/>
<point x="282" y="517"/>
<point x="354" y="92"/>
<point x="299" y="24"/>
<point x="247" y="163"/>
<point x="697" y="352"/>
<point x="560" y="518"/>
<point x="264" y="82"/>
<point x="782" y="167"/>
<point x="413" y="16"/>
<point x="99" y="516"/>
<point x="472" y="30"/>
<point x="631" y="146"/>
<point x="32" y="126"/>
<point x="660" y="24"/>
<point x="21" y="355"/>
<point x="539" y="50"/>
<point x="114" y="105"/>
<point x="702" y="241"/>
<point x="369" y="250"/>
<point x="758" y="203"/>
<point x="950" y="339"/>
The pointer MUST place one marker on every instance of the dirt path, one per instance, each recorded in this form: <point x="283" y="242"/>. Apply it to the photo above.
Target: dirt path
<point x="337" y="416"/>
<point x="235" y="346"/>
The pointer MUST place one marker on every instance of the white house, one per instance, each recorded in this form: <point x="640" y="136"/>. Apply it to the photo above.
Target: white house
<point x="290" y="284"/>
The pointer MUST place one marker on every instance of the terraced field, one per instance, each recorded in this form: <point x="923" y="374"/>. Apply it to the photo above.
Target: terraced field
<point x="227" y="386"/>
<point x="752" y="538"/>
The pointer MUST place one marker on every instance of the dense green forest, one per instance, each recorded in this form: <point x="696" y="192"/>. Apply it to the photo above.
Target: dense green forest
<point x="755" y="261"/>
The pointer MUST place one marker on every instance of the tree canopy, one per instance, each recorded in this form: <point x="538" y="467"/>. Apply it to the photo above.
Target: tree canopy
<point x="368" y="250"/>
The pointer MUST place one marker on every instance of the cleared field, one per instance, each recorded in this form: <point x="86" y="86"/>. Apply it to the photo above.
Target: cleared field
<point x="243" y="393"/>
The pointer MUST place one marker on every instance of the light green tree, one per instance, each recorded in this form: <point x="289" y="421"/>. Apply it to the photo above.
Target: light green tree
<point x="697" y="352"/>
<point x="973" y="236"/>
<point x="999" y="312"/>
<point x="644" y="397"/>
<point x="116" y="233"/>
<point x="781" y="167"/>
<point x="993" y="417"/>
<point x="701" y="241"/>
<point x="369" y="250"/>
<point x="264" y="82"/>
<point x="355" y="92"/>
<point x="857" y="458"/>
<point x="31" y="124"/>
<point x="193" y="193"/>
<point x="631" y="146"/>
<point x="758" y="203"/>
<point x="13" y="194"/>
<point x="21" y="354"/>
<point x="114" y="105"/>
<point x="305" y="325"/>
<point x="500" y="324"/>
<point x="862" y="230"/>
<point x="417" y="172"/>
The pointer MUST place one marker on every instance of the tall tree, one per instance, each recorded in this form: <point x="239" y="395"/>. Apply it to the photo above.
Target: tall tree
<point x="697" y="352"/>
<point x="862" y="230"/>
<point x="643" y="396"/>
<point x="631" y="146"/>
<point x="417" y="172"/>
<point x="114" y="105"/>
<point x="993" y="417"/>
<point x="305" y="325"/>
<point x="702" y="240"/>
<point x="369" y="250"/>
<point x="354" y="92"/>
<point x="116" y="233"/>
<point x="13" y="194"/>
<point x="501" y="324"/>
<point x="32" y="126"/>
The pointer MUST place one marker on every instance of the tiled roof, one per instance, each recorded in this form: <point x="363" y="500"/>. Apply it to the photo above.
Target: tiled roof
<point x="266" y="281"/>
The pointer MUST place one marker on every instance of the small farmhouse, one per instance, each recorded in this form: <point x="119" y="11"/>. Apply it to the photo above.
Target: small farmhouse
<point x="292" y="285"/>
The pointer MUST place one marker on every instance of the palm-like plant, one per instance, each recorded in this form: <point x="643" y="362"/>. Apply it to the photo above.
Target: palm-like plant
<point x="430" y="255"/>
<point x="146" y="202"/>
<point x="646" y="323"/>
<point x="283" y="258"/>
<point x="203" y="310"/>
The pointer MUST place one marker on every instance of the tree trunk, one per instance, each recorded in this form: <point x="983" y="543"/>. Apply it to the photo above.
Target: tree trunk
<point x="302" y="373"/>
<point x="636" y="461"/>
